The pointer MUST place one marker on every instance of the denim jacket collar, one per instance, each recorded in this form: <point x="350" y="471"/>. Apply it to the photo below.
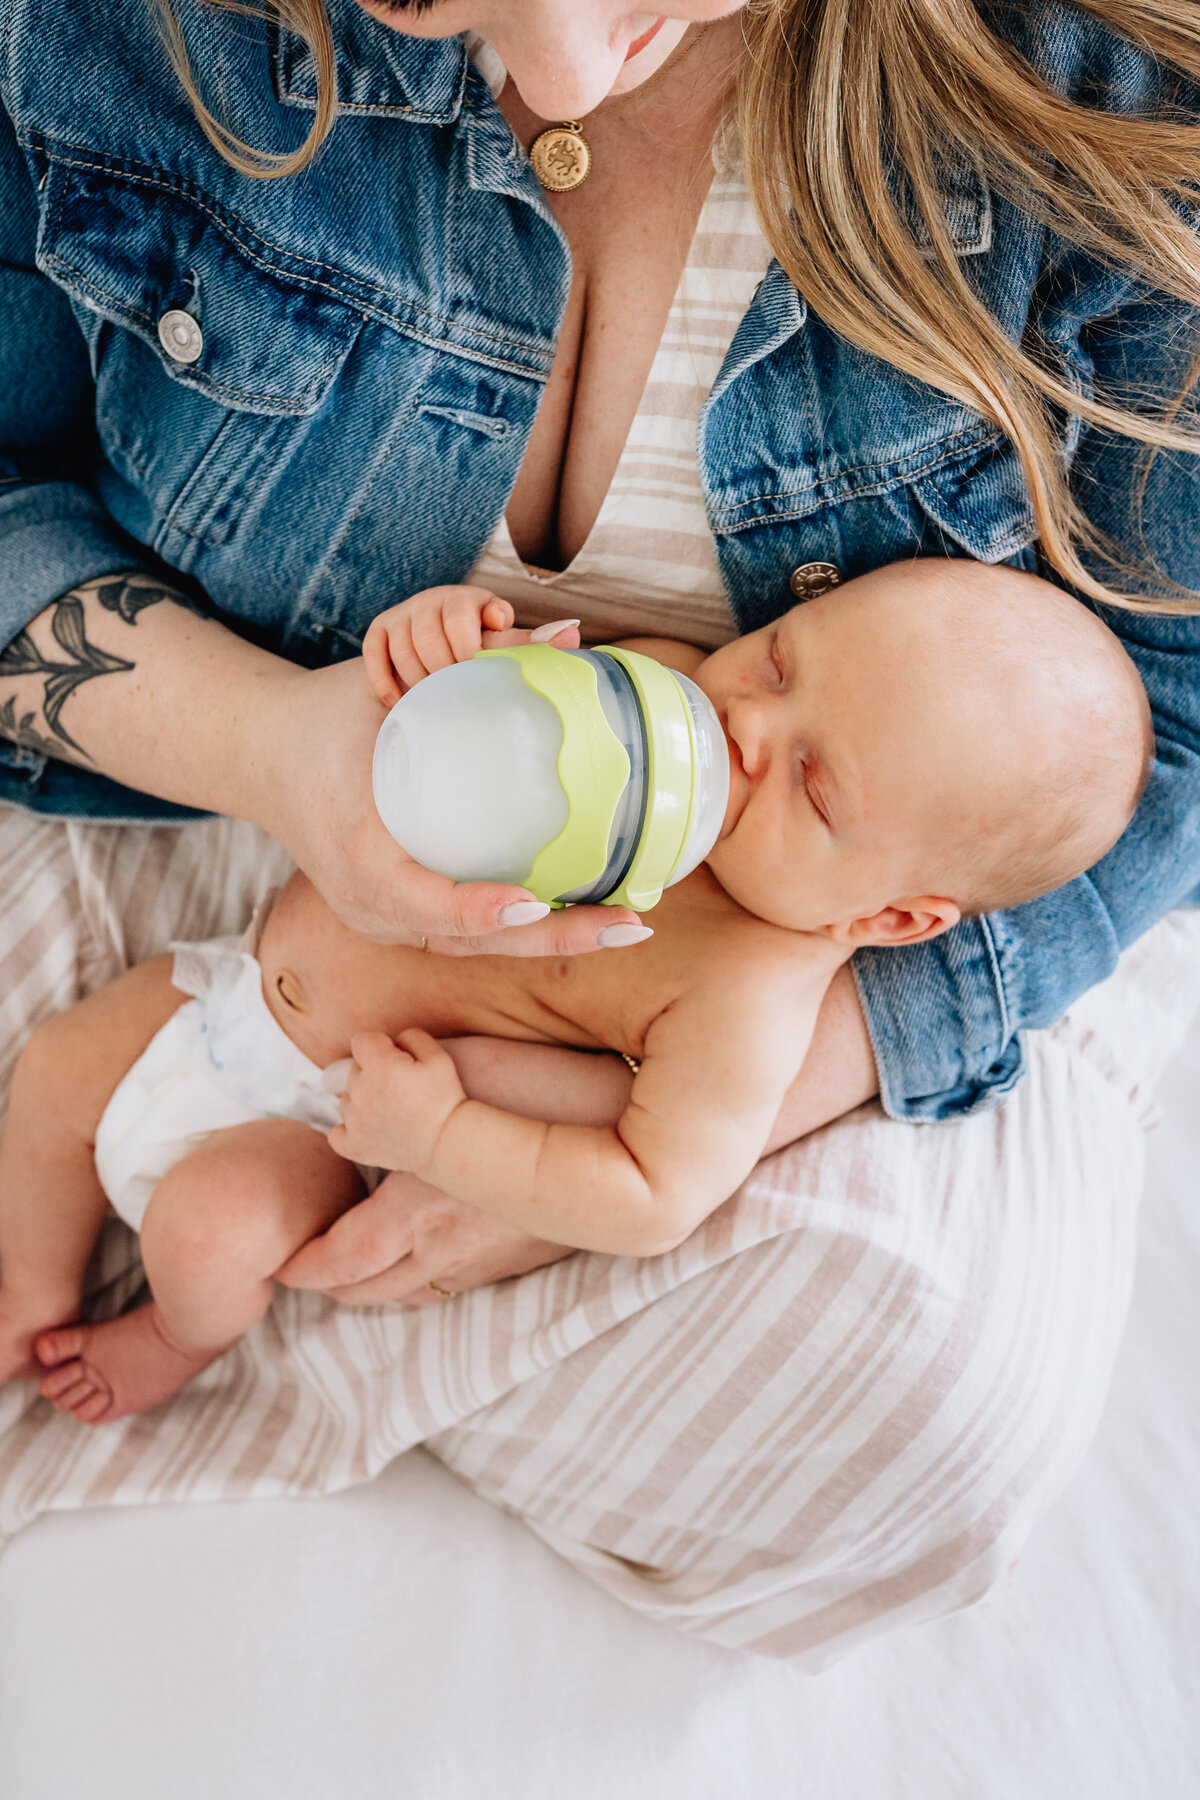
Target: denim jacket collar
<point x="380" y="72"/>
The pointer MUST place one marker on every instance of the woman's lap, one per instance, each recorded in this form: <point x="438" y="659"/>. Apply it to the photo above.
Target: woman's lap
<point x="839" y="1407"/>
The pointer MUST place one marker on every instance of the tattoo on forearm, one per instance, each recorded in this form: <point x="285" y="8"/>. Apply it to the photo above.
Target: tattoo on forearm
<point x="22" y="732"/>
<point x="129" y="595"/>
<point x="84" y="662"/>
<point x="125" y="595"/>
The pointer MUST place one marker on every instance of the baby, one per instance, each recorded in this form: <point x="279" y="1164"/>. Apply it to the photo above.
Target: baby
<point x="931" y="740"/>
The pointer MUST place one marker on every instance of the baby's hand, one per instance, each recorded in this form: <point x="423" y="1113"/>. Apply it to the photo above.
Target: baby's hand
<point x="445" y="625"/>
<point x="396" y="1101"/>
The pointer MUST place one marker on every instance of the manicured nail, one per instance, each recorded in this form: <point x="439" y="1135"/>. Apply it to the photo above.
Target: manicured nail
<point x="545" y="633"/>
<point x="522" y="912"/>
<point x="615" y="937"/>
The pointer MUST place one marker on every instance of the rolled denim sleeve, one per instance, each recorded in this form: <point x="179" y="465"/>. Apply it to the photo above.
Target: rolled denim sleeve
<point x="945" y="1018"/>
<point x="54" y="532"/>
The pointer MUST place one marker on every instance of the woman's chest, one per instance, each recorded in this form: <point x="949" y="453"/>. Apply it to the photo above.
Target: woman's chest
<point x="357" y="394"/>
<point x="629" y="230"/>
<point x="611" y="330"/>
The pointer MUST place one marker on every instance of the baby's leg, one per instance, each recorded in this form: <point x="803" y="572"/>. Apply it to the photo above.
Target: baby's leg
<point x="51" y="1203"/>
<point x="218" y="1226"/>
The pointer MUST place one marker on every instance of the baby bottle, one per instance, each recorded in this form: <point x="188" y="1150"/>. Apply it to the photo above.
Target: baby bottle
<point x="582" y="775"/>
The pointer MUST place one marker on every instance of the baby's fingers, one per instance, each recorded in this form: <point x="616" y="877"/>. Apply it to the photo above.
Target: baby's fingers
<point x="420" y="1046"/>
<point x="381" y="671"/>
<point x="497" y="615"/>
<point x="431" y="642"/>
<point x="368" y="1049"/>
<point x="463" y="612"/>
<point x="406" y="658"/>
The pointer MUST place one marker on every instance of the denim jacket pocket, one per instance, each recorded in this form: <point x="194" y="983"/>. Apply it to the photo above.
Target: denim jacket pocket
<point x="210" y="347"/>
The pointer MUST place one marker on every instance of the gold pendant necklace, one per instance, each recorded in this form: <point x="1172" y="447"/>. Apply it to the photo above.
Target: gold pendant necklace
<point x="561" y="158"/>
<point x="561" y="155"/>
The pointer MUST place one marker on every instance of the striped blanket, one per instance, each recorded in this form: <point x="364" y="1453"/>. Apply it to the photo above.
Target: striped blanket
<point x="839" y="1406"/>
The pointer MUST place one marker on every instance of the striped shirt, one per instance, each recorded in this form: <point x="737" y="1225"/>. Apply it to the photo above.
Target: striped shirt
<point x="649" y="564"/>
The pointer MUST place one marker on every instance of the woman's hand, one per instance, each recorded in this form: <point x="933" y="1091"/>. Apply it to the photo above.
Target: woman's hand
<point x="313" y="740"/>
<point x="406" y="1235"/>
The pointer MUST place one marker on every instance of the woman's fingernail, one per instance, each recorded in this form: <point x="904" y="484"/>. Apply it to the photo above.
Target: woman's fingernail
<point x="545" y="633"/>
<point x="523" y="912"/>
<point x="615" y="937"/>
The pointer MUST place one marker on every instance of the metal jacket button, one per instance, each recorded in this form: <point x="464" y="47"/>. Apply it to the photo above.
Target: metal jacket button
<point x="814" y="578"/>
<point x="180" y="337"/>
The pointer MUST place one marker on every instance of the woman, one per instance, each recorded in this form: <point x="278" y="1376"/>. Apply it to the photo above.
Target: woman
<point x="334" y="362"/>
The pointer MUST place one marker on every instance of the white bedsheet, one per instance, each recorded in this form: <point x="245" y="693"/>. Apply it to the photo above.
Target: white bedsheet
<point x="404" y="1640"/>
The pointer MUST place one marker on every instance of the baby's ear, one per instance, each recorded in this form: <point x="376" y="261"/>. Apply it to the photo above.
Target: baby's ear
<point x="904" y="922"/>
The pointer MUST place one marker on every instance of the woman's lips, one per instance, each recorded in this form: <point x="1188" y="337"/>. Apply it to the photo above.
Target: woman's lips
<point x="639" y="44"/>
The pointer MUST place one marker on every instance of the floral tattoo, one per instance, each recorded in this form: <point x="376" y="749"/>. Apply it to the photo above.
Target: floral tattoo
<point x="76" y="660"/>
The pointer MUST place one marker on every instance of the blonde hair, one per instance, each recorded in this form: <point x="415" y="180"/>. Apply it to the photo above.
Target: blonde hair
<point x="837" y="97"/>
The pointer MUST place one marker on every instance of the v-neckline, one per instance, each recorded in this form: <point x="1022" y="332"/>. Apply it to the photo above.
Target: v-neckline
<point x="547" y="577"/>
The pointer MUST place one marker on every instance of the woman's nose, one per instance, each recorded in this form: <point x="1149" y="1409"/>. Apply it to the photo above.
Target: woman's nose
<point x="562" y="55"/>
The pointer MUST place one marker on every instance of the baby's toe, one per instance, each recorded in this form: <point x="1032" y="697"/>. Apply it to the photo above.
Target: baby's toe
<point x="54" y="1347"/>
<point x="66" y="1384"/>
<point x="74" y="1396"/>
<point x="92" y="1409"/>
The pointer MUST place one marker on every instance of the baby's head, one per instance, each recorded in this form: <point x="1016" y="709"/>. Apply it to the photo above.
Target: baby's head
<point x="937" y="738"/>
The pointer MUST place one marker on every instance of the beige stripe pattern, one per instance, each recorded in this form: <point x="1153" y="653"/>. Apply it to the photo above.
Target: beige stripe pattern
<point x="839" y="1407"/>
<point x="649" y="564"/>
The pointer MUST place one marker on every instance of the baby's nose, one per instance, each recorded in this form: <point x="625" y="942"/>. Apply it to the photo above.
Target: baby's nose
<point x="750" y="729"/>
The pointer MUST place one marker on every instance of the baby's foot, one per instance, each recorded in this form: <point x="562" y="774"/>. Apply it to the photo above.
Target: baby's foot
<point x="103" y="1372"/>
<point x="22" y="1317"/>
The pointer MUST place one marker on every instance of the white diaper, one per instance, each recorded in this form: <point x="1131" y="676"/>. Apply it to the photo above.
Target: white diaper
<point x="220" y="1060"/>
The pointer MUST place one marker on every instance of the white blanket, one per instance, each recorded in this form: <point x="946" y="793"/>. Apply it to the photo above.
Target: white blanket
<point x="406" y="1641"/>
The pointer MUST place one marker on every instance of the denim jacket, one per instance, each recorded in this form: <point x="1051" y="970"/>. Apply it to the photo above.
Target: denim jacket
<point x="371" y="339"/>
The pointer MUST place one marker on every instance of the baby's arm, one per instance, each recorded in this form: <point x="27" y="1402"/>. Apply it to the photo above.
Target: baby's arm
<point x="715" y="1068"/>
<point x="51" y="1202"/>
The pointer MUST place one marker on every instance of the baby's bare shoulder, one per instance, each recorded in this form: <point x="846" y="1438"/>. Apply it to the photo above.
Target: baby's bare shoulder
<point x="752" y="968"/>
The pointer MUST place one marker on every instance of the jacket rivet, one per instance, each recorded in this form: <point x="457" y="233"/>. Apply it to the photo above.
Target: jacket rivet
<point x="814" y="578"/>
<point x="180" y="336"/>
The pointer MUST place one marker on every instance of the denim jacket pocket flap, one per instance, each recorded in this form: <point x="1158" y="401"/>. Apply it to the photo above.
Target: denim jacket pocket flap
<point x="979" y="500"/>
<point x="963" y="199"/>
<point x="224" y="311"/>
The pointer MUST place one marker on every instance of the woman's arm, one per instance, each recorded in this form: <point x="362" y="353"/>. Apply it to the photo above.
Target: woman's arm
<point x="839" y="1071"/>
<point x="104" y="665"/>
<point x="123" y="675"/>
<point x="945" y="1016"/>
